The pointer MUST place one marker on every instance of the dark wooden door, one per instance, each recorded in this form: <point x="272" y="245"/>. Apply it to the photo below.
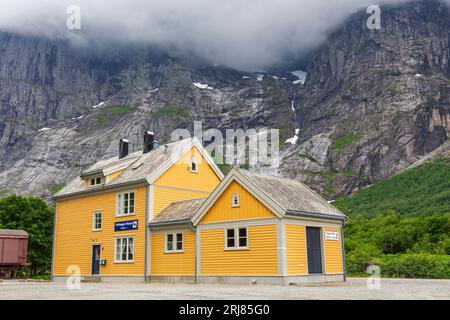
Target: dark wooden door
<point x="96" y="259"/>
<point x="314" y="246"/>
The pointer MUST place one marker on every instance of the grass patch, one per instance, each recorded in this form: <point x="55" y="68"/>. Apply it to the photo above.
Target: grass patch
<point x="344" y="141"/>
<point x="349" y="174"/>
<point x="329" y="176"/>
<point x="54" y="189"/>
<point x="272" y="88"/>
<point x="171" y="111"/>
<point x="46" y="277"/>
<point x="111" y="114"/>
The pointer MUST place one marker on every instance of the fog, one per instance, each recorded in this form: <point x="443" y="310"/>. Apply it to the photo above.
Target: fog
<point x="245" y="34"/>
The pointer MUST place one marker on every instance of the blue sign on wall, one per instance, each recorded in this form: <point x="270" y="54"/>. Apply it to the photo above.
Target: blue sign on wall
<point x="126" y="225"/>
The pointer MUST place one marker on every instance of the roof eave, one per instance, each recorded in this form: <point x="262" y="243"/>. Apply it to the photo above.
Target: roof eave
<point x="317" y="215"/>
<point x="91" y="173"/>
<point x="170" y="223"/>
<point x="101" y="189"/>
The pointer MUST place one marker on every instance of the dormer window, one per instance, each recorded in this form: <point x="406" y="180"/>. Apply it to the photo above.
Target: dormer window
<point x="95" y="181"/>
<point x="193" y="165"/>
<point x="235" y="201"/>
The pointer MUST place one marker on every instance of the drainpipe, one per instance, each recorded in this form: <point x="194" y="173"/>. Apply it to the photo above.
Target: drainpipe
<point x="343" y="252"/>
<point x="191" y="226"/>
<point x="54" y="243"/>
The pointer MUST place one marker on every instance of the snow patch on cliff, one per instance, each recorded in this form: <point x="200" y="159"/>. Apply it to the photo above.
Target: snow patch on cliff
<point x="301" y="75"/>
<point x="202" y="86"/>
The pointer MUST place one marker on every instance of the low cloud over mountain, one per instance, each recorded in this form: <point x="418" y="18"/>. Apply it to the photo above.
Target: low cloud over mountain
<point x="244" y="34"/>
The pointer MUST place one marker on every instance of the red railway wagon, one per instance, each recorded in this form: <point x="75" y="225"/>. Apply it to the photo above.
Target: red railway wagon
<point x="13" y="251"/>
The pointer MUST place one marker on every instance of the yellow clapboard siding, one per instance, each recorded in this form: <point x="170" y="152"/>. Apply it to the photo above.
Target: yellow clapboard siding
<point x="297" y="261"/>
<point x="333" y="253"/>
<point x="180" y="176"/>
<point x="250" y="207"/>
<point x="259" y="259"/>
<point x="74" y="235"/>
<point x="164" y="196"/>
<point x="173" y="263"/>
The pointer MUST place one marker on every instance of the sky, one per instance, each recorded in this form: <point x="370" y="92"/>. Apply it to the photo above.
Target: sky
<point x="243" y="34"/>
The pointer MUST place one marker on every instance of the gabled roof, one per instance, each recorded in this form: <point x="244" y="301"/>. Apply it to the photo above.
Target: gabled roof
<point x="291" y="194"/>
<point x="181" y="211"/>
<point x="282" y="196"/>
<point x="138" y="168"/>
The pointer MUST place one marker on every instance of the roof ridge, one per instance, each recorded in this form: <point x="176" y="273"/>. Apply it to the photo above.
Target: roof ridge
<point x="267" y="175"/>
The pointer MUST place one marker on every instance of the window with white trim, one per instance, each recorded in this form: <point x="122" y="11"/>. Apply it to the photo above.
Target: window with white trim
<point x="193" y="165"/>
<point x="174" y="242"/>
<point x="236" y="238"/>
<point x="97" y="221"/>
<point x="125" y="203"/>
<point x="124" y="249"/>
<point x="235" y="200"/>
<point x="95" y="181"/>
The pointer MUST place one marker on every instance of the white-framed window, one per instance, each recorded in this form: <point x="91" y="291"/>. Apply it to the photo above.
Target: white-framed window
<point x="174" y="242"/>
<point x="236" y="238"/>
<point x="193" y="165"/>
<point x="97" y="218"/>
<point x="235" y="200"/>
<point x="125" y="203"/>
<point x="96" y="181"/>
<point x="124" y="249"/>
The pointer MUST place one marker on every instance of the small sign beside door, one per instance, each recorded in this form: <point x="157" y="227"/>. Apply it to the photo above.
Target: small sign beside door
<point x="331" y="235"/>
<point x="126" y="225"/>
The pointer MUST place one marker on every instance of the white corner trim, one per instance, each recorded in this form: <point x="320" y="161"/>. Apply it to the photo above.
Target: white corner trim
<point x="151" y="200"/>
<point x="282" y="248"/>
<point x="197" y="253"/>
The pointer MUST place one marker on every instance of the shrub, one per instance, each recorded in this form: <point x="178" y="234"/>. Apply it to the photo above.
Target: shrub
<point x="416" y="266"/>
<point x="34" y="216"/>
<point x="402" y="265"/>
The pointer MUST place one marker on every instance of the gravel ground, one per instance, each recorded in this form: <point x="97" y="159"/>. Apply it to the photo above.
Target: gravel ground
<point x="353" y="289"/>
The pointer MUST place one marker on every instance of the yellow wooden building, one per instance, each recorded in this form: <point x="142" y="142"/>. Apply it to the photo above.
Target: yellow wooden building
<point x="168" y="214"/>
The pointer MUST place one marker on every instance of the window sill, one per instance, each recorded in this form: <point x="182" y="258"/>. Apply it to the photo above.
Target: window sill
<point x="174" y="252"/>
<point x="237" y="249"/>
<point x="123" y="262"/>
<point x="96" y="230"/>
<point x="125" y="215"/>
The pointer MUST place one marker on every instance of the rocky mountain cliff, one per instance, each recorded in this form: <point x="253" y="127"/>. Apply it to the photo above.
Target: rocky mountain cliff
<point x="374" y="102"/>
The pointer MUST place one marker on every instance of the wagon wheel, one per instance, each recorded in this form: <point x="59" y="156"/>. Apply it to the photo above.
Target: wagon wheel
<point x="5" y="273"/>
<point x="14" y="272"/>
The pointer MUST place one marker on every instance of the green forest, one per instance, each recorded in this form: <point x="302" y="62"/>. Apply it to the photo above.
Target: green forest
<point x="401" y="224"/>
